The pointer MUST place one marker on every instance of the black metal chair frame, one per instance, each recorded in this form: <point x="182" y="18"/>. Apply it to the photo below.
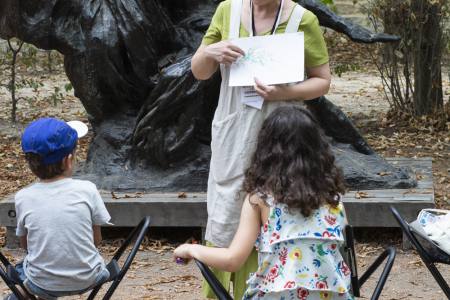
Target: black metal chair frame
<point x="10" y="276"/>
<point x="388" y="255"/>
<point x="217" y="287"/>
<point x="429" y="260"/>
<point x="349" y="249"/>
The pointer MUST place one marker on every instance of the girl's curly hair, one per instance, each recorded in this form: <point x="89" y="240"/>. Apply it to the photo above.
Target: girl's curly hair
<point x="293" y="162"/>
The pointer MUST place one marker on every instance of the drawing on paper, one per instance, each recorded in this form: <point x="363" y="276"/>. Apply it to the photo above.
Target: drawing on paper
<point x="273" y="59"/>
<point x="257" y="56"/>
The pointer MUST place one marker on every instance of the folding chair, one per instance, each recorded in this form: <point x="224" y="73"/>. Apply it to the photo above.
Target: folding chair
<point x="214" y="283"/>
<point x="11" y="277"/>
<point x="429" y="252"/>
<point x="350" y="258"/>
<point x="349" y="255"/>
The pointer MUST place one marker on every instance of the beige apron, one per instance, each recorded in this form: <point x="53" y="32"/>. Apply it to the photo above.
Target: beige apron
<point x="235" y="129"/>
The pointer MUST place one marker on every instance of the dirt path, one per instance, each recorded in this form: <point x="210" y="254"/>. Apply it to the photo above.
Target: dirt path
<point x="367" y="95"/>
<point x="155" y="276"/>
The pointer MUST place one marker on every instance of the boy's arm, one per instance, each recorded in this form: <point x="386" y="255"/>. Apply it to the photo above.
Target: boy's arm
<point x="232" y="258"/>
<point x="97" y="235"/>
<point x="100" y="215"/>
<point x="21" y="230"/>
<point x="23" y="242"/>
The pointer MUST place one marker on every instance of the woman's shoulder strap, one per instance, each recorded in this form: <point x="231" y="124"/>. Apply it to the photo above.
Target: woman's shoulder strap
<point x="295" y="19"/>
<point x="235" y="18"/>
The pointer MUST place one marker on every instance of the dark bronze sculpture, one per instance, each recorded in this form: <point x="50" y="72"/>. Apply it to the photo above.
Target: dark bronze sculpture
<point x="129" y="63"/>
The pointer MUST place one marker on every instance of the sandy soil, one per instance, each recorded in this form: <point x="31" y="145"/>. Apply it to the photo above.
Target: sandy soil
<point x="367" y="94"/>
<point x="155" y="276"/>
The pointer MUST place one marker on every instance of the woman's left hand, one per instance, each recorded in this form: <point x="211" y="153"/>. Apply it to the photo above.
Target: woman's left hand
<point x="270" y="92"/>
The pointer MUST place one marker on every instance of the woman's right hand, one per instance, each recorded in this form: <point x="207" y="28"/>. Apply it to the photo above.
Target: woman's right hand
<point x="224" y="52"/>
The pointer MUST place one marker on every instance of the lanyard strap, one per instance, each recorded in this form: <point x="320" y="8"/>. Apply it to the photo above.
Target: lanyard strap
<point x="275" y="24"/>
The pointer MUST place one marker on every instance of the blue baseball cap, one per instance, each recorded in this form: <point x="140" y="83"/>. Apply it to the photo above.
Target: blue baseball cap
<point x="52" y="139"/>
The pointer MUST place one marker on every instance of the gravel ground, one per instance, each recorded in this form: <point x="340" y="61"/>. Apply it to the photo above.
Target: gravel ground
<point x="155" y="276"/>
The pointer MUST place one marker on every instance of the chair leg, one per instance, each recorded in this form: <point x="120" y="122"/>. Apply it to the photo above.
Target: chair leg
<point x="138" y="233"/>
<point x="439" y="279"/>
<point x="17" y="288"/>
<point x="428" y="261"/>
<point x="94" y="292"/>
<point x="389" y="255"/>
<point x="214" y="283"/>
<point x="18" y="293"/>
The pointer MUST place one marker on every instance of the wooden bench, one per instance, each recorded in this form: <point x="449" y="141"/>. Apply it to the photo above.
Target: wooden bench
<point x="365" y="208"/>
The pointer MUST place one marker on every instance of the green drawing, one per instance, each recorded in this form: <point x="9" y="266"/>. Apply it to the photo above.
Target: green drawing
<point x="255" y="56"/>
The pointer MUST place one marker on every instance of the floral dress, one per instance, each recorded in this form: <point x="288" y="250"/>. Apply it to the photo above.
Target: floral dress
<point x="299" y="257"/>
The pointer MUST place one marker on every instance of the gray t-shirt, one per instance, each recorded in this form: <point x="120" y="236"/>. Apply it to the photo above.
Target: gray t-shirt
<point x="58" y="218"/>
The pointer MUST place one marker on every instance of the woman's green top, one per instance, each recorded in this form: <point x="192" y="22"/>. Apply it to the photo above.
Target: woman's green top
<point x="316" y="53"/>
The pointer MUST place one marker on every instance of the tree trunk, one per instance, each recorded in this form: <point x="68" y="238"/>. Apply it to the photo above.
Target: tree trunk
<point x="49" y="61"/>
<point x="12" y="82"/>
<point x="12" y="88"/>
<point x="427" y="47"/>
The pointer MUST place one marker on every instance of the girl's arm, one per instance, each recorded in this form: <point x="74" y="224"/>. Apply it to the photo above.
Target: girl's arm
<point x="317" y="84"/>
<point x="232" y="258"/>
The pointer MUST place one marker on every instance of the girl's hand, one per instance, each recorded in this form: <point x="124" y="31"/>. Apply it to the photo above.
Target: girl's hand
<point x="184" y="251"/>
<point x="270" y="92"/>
<point x="224" y="52"/>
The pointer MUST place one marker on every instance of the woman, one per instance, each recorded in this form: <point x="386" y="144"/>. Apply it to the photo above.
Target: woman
<point x="235" y="126"/>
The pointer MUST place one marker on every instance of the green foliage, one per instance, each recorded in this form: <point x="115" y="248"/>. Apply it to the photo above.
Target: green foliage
<point x="68" y="87"/>
<point x="22" y="67"/>
<point x="29" y="57"/>
<point x="411" y="69"/>
<point x="340" y="69"/>
<point x="29" y="83"/>
<point x="57" y="96"/>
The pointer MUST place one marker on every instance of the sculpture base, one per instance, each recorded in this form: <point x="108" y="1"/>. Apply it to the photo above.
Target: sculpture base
<point x="365" y="208"/>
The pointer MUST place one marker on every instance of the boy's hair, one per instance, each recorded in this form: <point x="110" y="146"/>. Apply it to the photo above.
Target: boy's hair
<point x="44" y="171"/>
<point x="294" y="163"/>
<point x="41" y="170"/>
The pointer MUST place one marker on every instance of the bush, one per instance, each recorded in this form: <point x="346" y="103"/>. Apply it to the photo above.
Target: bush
<point x="411" y="69"/>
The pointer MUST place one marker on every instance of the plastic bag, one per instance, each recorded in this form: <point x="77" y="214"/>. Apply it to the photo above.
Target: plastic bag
<point x="436" y="225"/>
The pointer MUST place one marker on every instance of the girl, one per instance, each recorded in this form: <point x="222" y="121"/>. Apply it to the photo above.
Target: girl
<point x="293" y="212"/>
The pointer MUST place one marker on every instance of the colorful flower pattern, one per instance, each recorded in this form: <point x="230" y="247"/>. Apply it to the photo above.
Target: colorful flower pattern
<point x="299" y="257"/>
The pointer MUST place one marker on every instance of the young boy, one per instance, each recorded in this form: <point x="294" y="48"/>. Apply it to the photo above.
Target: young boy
<point x="58" y="218"/>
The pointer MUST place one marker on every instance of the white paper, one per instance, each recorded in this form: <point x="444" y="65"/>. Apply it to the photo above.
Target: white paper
<point x="273" y="59"/>
<point x="251" y="98"/>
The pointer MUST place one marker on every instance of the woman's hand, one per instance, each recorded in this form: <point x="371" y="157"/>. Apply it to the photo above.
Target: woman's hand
<point x="270" y="92"/>
<point x="317" y="84"/>
<point x="224" y="52"/>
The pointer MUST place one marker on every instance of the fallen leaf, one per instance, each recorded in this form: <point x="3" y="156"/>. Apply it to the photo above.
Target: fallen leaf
<point x="360" y="195"/>
<point x="384" y="173"/>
